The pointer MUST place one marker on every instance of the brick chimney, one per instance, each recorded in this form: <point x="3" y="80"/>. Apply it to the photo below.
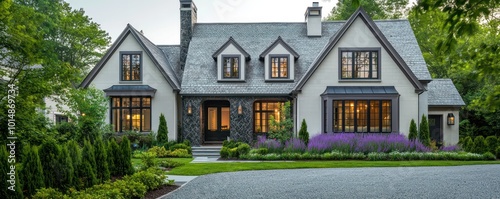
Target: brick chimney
<point x="188" y="18"/>
<point x="313" y="20"/>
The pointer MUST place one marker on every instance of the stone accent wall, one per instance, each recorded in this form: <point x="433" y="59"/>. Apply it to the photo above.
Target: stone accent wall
<point x="186" y="34"/>
<point x="241" y="125"/>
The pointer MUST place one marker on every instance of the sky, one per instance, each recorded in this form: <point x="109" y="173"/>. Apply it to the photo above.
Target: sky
<point x="159" y="19"/>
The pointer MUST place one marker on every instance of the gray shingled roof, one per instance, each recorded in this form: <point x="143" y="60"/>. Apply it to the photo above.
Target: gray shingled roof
<point x="160" y="57"/>
<point x="172" y="52"/>
<point x="200" y="73"/>
<point x="442" y="92"/>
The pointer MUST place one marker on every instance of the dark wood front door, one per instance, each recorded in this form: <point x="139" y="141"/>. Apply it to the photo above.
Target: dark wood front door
<point x="217" y="120"/>
<point x="436" y="128"/>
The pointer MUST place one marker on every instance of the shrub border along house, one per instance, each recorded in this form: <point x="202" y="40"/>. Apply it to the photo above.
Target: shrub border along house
<point x="347" y="146"/>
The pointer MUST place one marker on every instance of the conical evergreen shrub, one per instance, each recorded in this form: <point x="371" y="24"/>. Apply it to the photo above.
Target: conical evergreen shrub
<point x="49" y="155"/>
<point x="32" y="172"/>
<point x="303" y="133"/>
<point x="413" y="130"/>
<point x="114" y="158"/>
<point x="162" y="136"/>
<point x="64" y="173"/>
<point x="75" y="153"/>
<point x="88" y="168"/>
<point x="101" y="161"/>
<point x="126" y="151"/>
<point x="424" y="135"/>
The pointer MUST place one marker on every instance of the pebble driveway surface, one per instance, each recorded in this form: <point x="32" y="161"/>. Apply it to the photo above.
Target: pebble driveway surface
<point x="480" y="181"/>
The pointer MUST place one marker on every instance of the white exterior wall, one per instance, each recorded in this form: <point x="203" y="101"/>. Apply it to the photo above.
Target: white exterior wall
<point x="450" y="132"/>
<point x="231" y="50"/>
<point x="51" y="108"/>
<point x="327" y="74"/>
<point x="279" y="50"/>
<point x="423" y="105"/>
<point x="164" y="100"/>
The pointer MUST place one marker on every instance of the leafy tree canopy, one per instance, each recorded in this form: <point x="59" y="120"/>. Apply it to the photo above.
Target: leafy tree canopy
<point x="377" y="9"/>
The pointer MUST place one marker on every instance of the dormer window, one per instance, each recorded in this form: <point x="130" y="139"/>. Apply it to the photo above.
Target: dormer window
<point x="231" y="60"/>
<point x="279" y="66"/>
<point x="131" y="66"/>
<point x="279" y="59"/>
<point x="231" y="66"/>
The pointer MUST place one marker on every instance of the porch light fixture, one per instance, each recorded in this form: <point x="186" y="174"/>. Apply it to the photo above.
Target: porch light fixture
<point x="451" y="119"/>
<point x="240" y="110"/>
<point x="190" y="109"/>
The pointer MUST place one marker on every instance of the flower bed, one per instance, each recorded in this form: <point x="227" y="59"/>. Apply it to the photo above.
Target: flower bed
<point x="355" y="146"/>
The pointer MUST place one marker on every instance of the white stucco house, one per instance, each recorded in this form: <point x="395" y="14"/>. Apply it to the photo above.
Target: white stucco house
<point x="227" y="79"/>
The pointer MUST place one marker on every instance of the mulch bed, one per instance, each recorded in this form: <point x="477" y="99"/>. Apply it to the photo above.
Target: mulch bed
<point x="160" y="191"/>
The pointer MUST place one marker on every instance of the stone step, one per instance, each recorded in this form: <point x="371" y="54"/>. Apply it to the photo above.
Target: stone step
<point x="206" y="151"/>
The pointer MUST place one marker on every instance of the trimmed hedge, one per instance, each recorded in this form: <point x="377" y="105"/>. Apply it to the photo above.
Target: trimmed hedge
<point x="374" y="156"/>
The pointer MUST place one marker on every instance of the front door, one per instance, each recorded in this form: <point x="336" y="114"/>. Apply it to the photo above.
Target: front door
<point x="217" y="120"/>
<point x="436" y="129"/>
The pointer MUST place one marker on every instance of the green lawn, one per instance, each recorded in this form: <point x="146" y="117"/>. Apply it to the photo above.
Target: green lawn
<point x="195" y="169"/>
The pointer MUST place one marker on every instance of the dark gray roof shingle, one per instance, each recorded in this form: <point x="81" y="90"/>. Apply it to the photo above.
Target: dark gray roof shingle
<point x="200" y="73"/>
<point x="172" y="53"/>
<point x="442" y="92"/>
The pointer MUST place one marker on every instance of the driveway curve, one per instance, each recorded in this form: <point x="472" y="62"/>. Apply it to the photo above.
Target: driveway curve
<point x="479" y="181"/>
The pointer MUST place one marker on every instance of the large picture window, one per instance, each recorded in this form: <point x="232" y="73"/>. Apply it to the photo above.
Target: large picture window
<point x="131" y="114"/>
<point x="231" y="67"/>
<point x="361" y="116"/>
<point x="359" y="64"/>
<point x="262" y="114"/>
<point x="131" y="66"/>
<point x="279" y="67"/>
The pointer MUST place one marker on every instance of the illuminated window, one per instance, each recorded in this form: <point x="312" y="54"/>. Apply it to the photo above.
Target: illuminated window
<point x="359" y="64"/>
<point x="361" y="116"/>
<point x="131" y="114"/>
<point x="230" y="67"/>
<point x="279" y="67"/>
<point x="131" y="66"/>
<point x="263" y="112"/>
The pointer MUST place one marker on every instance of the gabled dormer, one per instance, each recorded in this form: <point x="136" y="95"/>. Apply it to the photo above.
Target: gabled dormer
<point x="279" y="61"/>
<point x="231" y="61"/>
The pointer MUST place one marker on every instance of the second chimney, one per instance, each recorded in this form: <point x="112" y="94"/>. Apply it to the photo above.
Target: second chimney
<point x="313" y="20"/>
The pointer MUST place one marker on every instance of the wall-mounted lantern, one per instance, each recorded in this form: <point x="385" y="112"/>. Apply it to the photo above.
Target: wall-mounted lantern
<point x="451" y="119"/>
<point x="240" y="110"/>
<point x="190" y="109"/>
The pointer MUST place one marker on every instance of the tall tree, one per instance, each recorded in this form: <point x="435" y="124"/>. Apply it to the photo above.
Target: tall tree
<point x="162" y="135"/>
<point x="48" y="44"/>
<point x="101" y="161"/>
<point x="377" y="9"/>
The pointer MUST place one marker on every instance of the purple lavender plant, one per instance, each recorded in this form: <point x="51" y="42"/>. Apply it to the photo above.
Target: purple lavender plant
<point x="295" y="145"/>
<point x="364" y="143"/>
<point x="273" y="146"/>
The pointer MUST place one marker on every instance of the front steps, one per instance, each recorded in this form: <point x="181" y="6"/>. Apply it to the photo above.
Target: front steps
<point x="206" y="151"/>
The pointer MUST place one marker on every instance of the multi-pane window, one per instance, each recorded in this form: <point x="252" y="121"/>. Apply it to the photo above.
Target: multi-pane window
<point x="230" y="67"/>
<point x="262" y="114"/>
<point x="279" y="67"/>
<point x="131" y="114"/>
<point x="359" y="65"/>
<point x="131" y="67"/>
<point x="361" y="116"/>
<point x="61" y="118"/>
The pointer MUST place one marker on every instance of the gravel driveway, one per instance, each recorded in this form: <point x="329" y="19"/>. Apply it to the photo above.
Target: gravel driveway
<point x="480" y="181"/>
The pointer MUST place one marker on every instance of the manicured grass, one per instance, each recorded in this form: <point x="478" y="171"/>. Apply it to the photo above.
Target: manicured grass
<point x="137" y="163"/>
<point x="195" y="169"/>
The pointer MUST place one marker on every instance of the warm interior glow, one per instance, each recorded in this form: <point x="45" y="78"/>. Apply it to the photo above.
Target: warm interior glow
<point x="225" y="121"/>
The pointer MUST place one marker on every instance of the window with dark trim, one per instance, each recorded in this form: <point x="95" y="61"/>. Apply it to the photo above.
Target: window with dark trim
<point x="362" y="116"/>
<point x="263" y="111"/>
<point x="279" y="66"/>
<point x="359" y="64"/>
<point x="61" y="118"/>
<point x="131" y="66"/>
<point x="131" y="114"/>
<point x="230" y="67"/>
